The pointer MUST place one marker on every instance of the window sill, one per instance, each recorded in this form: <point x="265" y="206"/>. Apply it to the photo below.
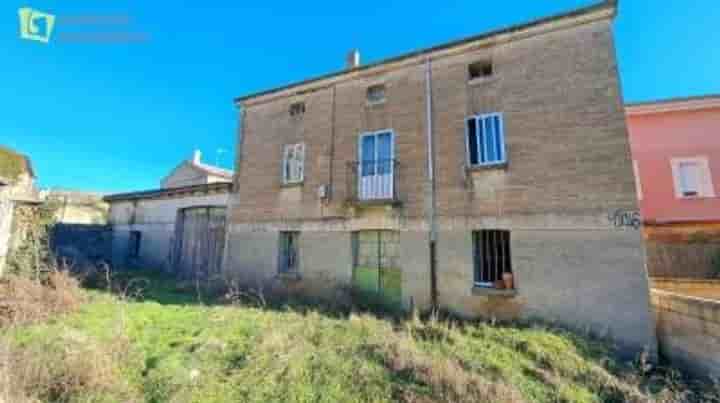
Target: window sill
<point x="487" y="167"/>
<point x="479" y="291"/>
<point x="371" y="104"/>
<point x="288" y="276"/>
<point x="292" y="184"/>
<point x="482" y="80"/>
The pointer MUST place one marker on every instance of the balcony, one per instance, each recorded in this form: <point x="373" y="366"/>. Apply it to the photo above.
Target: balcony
<point x="373" y="182"/>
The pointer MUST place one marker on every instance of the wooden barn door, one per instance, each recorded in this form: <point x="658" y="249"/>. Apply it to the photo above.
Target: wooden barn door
<point x="200" y="235"/>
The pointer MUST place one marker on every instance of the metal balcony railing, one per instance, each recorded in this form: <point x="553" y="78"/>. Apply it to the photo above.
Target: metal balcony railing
<point x="373" y="181"/>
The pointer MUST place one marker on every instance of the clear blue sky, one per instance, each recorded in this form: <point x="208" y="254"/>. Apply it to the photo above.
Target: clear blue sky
<point x="118" y="117"/>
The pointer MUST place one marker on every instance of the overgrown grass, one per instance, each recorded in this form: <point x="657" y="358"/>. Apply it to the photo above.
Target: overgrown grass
<point x="167" y="347"/>
<point x="12" y="164"/>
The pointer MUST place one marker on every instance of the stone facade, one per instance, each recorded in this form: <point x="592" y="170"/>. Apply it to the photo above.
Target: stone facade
<point x="555" y="82"/>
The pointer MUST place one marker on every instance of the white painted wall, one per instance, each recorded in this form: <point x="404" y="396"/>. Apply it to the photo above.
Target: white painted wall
<point x="155" y="219"/>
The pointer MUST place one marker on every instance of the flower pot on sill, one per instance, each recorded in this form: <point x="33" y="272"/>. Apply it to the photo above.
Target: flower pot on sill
<point x="508" y="281"/>
<point x="499" y="284"/>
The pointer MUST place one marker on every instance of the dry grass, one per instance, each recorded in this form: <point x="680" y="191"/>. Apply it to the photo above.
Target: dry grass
<point x="24" y="300"/>
<point x="168" y="347"/>
<point x="75" y="369"/>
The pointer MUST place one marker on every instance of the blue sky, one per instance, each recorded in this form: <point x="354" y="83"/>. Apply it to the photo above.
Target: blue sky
<point x="116" y="117"/>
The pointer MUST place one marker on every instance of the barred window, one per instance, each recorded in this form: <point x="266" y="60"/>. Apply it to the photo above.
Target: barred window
<point x="492" y="258"/>
<point x="297" y="109"/>
<point x="376" y="94"/>
<point x="289" y="252"/>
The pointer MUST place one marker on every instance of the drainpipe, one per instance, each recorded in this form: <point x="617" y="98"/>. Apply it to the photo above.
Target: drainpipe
<point x="431" y="181"/>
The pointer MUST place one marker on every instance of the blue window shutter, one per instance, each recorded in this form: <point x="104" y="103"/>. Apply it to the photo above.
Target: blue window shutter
<point x="472" y="141"/>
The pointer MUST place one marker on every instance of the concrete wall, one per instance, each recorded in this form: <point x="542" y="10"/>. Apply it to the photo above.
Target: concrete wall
<point x="583" y="279"/>
<point x="688" y="330"/>
<point x="155" y="219"/>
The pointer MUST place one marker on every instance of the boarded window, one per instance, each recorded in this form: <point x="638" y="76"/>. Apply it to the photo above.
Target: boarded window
<point x="491" y="255"/>
<point x="134" y="244"/>
<point x="293" y="163"/>
<point x="485" y="140"/>
<point x="289" y="252"/>
<point x="480" y="69"/>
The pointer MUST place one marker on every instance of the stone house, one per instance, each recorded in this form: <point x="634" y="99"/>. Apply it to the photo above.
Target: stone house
<point x="179" y="227"/>
<point x="428" y="178"/>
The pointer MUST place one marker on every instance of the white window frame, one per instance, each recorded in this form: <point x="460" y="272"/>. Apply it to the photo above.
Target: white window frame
<point x="638" y="182"/>
<point x="706" y="188"/>
<point x="478" y="119"/>
<point x="285" y="161"/>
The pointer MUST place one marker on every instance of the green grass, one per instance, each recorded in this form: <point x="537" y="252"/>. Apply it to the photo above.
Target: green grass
<point x="179" y="350"/>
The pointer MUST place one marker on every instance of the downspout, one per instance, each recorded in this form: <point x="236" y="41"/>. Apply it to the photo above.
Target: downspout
<point x="431" y="182"/>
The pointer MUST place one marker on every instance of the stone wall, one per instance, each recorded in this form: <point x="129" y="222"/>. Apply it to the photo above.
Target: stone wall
<point x="6" y="216"/>
<point x="569" y="165"/>
<point x="688" y="330"/>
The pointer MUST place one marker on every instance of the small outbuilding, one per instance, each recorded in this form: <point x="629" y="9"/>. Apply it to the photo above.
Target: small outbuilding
<point x="179" y="227"/>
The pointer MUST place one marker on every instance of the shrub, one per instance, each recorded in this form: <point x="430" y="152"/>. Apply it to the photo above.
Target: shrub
<point x="69" y="368"/>
<point x="23" y="300"/>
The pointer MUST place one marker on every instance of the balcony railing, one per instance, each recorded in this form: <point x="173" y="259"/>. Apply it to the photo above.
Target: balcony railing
<point x="373" y="181"/>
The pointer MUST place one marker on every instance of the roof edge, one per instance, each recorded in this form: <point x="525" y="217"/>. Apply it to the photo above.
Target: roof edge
<point x="611" y="5"/>
<point x="673" y="104"/>
<point x="155" y="193"/>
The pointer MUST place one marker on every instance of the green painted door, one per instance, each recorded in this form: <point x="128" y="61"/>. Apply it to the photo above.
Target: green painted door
<point x="377" y="272"/>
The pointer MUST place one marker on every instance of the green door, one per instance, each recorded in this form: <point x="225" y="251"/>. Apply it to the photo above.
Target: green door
<point x="376" y="271"/>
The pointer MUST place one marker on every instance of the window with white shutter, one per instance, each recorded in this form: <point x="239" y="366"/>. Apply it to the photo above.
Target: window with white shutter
<point x="692" y="177"/>
<point x="293" y="163"/>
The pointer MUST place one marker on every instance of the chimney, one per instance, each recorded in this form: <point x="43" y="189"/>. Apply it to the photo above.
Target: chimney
<point x="353" y="59"/>
<point x="196" y="156"/>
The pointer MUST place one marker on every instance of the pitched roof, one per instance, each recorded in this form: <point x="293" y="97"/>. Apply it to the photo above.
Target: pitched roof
<point x="184" y="191"/>
<point x="212" y="169"/>
<point x="608" y="5"/>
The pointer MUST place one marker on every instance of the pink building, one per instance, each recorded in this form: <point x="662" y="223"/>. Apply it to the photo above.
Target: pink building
<point x="676" y="155"/>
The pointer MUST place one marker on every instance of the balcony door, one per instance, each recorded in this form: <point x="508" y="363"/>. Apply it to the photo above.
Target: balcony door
<point x="376" y="166"/>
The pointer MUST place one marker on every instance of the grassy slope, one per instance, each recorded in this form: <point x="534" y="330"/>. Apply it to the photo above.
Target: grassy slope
<point x="182" y="351"/>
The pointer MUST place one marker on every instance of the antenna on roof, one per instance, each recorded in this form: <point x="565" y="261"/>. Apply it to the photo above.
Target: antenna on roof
<point x="217" y="155"/>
